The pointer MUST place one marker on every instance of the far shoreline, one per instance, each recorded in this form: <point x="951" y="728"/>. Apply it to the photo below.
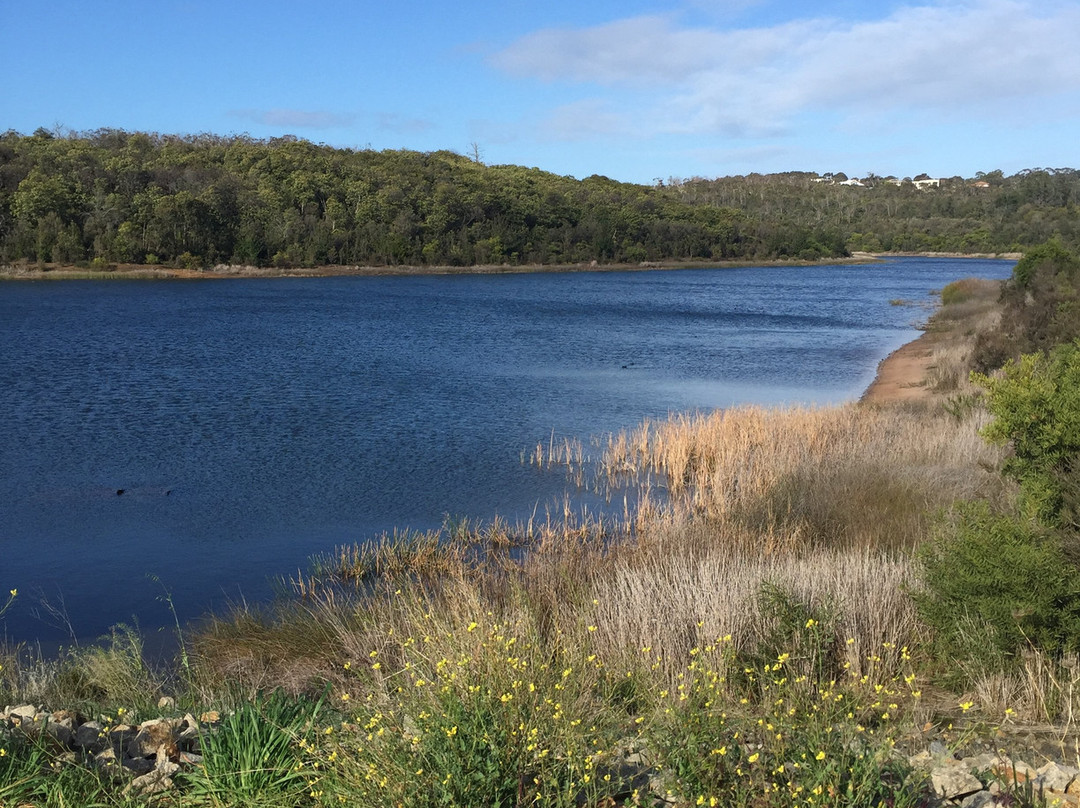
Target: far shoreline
<point x="58" y="272"/>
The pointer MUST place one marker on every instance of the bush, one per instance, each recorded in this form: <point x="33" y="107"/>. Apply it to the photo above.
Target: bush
<point x="1036" y="407"/>
<point x="961" y="291"/>
<point x="994" y="584"/>
<point x="1049" y="257"/>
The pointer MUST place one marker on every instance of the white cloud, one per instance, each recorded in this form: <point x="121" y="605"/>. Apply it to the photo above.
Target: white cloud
<point x="403" y="124"/>
<point x="583" y="119"/>
<point x="944" y="59"/>
<point x="294" y="118"/>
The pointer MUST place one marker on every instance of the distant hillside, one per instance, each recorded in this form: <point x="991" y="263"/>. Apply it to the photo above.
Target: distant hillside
<point x="988" y="213"/>
<point x="114" y="196"/>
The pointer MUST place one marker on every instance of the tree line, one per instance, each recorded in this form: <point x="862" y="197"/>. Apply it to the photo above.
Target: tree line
<point x="114" y="196"/>
<point x="111" y="196"/>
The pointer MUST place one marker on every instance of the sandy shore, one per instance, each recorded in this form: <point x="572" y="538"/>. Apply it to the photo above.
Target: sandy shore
<point x="901" y="376"/>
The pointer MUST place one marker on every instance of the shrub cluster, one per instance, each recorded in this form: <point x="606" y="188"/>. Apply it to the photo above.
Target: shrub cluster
<point x="1001" y="579"/>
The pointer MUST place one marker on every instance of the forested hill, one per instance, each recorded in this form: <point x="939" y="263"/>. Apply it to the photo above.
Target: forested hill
<point x="113" y="196"/>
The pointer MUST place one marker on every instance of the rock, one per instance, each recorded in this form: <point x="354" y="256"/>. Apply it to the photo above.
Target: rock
<point x="188" y="739"/>
<point x="61" y="734"/>
<point x="939" y="752"/>
<point x="1014" y="771"/>
<point x="981" y="763"/>
<point x="980" y="799"/>
<point x="1055" y="777"/>
<point x="107" y="762"/>
<point x="139" y="765"/>
<point x="152" y="735"/>
<point x="923" y="760"/>
<point x="624" y="779"/>
<point x="24" y="712"/>
<point x="67" y="718"/>
<point x="210" y="717"/>
<point x="189" y="758"/>
<point x="90" y="737"/>
<point x="952" y="781"/>
<point x="166" y="703"/>
<point x="151" y="783"/>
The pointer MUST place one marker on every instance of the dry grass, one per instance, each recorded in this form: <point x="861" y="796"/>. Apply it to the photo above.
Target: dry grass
<point x="1042" y="690"/>
<point x="970" y="307"/>
<point x="845" y="476"/>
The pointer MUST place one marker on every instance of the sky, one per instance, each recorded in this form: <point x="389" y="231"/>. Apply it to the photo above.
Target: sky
<point x="636" y="90"/>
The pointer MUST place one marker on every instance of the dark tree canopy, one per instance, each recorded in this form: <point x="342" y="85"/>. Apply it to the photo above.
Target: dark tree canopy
<point x="115" y="196"/>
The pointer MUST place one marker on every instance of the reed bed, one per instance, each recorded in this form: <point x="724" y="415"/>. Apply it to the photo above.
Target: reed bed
<point x="852" y="476"/>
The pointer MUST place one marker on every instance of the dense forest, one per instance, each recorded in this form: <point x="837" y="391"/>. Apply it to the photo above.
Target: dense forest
<point x="111" y="196"/>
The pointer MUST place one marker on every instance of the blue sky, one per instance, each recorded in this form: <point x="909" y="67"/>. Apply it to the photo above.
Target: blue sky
<point x="635" y="90"/>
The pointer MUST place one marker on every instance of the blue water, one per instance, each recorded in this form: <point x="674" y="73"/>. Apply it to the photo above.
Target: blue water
<point x="253" y="423"/>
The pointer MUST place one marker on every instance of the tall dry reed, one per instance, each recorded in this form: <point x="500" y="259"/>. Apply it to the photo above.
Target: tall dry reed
<point x="836" y="476"/>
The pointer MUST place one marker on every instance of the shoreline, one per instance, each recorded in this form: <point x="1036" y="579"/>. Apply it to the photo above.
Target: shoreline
<point x="59" y="272"/>
<point x="936" y="363"/>
<point x="155" y="272"/>
<point x="901" y="376"/>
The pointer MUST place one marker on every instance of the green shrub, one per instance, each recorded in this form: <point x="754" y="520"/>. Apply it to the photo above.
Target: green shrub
<point x="960" y="291"/>
<point x="1052" y="256"/>
<point x="995" y="583"/>
<point x="1040" y="307"/>
<point x="188" y="261"/>
<point x="1036" y="407"/>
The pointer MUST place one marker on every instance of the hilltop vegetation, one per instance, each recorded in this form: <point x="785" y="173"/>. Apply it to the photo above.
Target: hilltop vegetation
<point x="111" y="196"/>
<point x="114" y="196"/>
<point x="989" y="213"/>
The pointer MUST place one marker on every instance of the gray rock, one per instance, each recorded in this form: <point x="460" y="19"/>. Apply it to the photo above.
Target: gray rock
<point x="91" y="737"/>
<point x="166" y="703"/>
<point x="24" y="712"/>
<point x="981" y="763"/>
<point x="190" y="758"/>
<point x="60" y="733"/>
<point x="154" y="782"/>
<point x="121" y="735"/>
<point x="923" y="760"/>
<point x="1055" y="776"/>
<point x="139" y="765"/>
<point x="980" y="799"/>
<point x="952" y="781"/>
<point x="66" y="717"/>
<point x="940" y="752"/>
<point x="107" y="762"/>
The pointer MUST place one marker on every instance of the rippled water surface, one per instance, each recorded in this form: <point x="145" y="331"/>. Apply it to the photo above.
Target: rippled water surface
<point x="252" y="423"/>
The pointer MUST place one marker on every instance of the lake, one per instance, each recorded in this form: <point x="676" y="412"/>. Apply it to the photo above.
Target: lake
<point x="251" y="423"/>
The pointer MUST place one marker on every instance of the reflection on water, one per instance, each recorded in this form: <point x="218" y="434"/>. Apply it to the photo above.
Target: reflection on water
<point x="252" y="423"/>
